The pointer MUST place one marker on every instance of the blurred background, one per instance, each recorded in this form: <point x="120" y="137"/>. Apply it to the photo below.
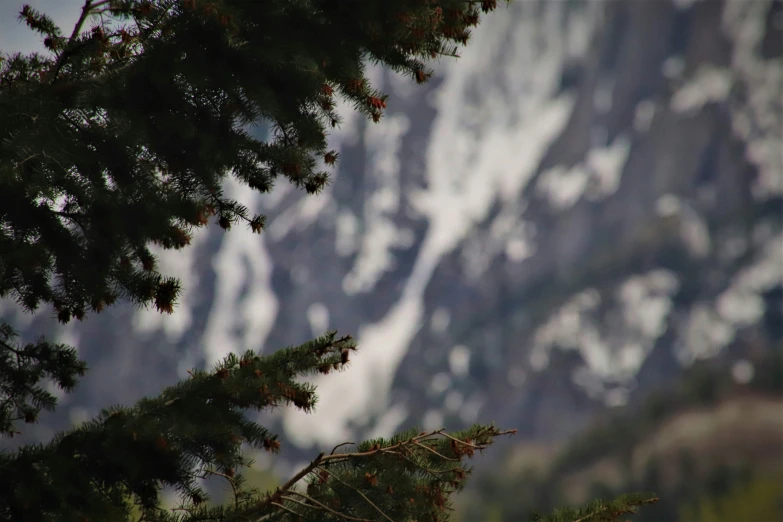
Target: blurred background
<point x="575" y="230"/>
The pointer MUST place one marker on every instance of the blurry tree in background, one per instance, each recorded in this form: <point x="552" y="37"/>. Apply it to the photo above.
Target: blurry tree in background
<point x="123" y="136"/>
<point x="733" y="474"/>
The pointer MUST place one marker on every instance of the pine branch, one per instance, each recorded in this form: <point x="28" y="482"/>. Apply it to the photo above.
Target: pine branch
<point x="165" y="436"/>
<point x="601" y="511"/>
<point x="321" y="464"/>
<point x="341" y="445"/>
<point x="131" y="84"/>
<point x="415" y="441"/>
<point x="88" y="5"/>
<point x="22" y="368"/>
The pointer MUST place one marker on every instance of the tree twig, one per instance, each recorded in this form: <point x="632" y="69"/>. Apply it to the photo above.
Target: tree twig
<point x="334" y="458"/>
<point x="421" y="466"/>
<point x="338" y="457"/>
<point x="88" y="5"/>
<point x="335" y="477"/>
<point x="230" y="480"/>
<point x="281" y="506"/>
<point x="444" y="457"/>
<point x="322" y="506"/>
<point x="341" y="444"/>
<point x="310" y="467"/>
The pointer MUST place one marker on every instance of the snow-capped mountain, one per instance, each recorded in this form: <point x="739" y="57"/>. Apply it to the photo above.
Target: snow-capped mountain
<point x="584" y="202"/>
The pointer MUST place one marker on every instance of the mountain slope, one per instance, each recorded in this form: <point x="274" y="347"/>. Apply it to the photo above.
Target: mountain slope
<point x="710" y="447"/>
<point x="586" y="201"/>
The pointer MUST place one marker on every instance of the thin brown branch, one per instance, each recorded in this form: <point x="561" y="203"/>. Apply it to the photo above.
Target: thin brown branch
<point x="274" y="497"/>
<point x="335" y="477"/>
<point x="80" y="22"/>
<point x="28" y="158"/>
<point x="339" y="445"/>
<point x="339" y="457"/>
<point x="442" y="431"/>
<point x="321" y="506"/>
<point x="310" y="467"/>
<point x="229" y="478"/>
<point x="281" y="506"/>
<point x="421" y="466"/>
<point x="334" y="458"/>
<point x="88" y="5"/>
<point x="419" y="444"/>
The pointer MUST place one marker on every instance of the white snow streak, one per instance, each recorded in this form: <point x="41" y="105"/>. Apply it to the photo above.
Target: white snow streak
<point x="374" y="258"/>
<point x="240" y="321"/>
<point x="482" y="148"/>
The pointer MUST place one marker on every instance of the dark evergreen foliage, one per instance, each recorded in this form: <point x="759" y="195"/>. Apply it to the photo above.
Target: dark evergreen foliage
<point x="125" y="133"/>
<point x="23" y="367"/>
<point x="122" y="137"/>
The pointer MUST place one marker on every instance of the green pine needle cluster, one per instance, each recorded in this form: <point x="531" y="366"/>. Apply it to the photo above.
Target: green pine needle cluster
<point x="22" y="368"/>
<point x="600" y="510"/>
<point x="198" y="429"/>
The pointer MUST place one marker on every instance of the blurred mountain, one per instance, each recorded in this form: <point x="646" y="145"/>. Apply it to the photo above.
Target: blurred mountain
<point x="583" y="204"/>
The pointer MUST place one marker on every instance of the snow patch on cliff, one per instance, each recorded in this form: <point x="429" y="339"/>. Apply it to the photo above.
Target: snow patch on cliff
<point x="613" y="344"/>
<point x="595" y="178"/>
<point x="245" y="306"/>
<point x="710" y="328"/>
<point x="708" y="85"/>
<point x="758" y="115"/>
<point x="380" y="235"/>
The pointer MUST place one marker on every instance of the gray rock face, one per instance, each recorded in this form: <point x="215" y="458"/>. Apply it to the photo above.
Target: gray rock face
<point x="589" y="199"/>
